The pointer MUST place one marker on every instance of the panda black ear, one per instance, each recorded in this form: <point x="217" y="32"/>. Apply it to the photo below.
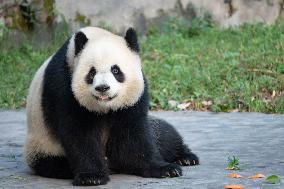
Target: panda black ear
<point x="80" y="41"/>
<point x="131" y="40"/>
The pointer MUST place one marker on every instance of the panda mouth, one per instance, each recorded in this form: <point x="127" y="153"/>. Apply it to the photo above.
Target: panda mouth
<point x="105" y="97"/>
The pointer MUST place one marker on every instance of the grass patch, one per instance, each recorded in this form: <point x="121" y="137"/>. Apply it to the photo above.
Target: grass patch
<point x="18" y="64"/>
<point x="232" y="69"/>
<point x="188" y="62"/>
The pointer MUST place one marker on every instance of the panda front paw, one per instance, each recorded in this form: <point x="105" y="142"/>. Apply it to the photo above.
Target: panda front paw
<point x="90" y="179"/>
<point x="169" y="170"/>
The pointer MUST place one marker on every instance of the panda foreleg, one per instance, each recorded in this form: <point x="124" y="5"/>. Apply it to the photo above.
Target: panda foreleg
<point x="83" y="150"/>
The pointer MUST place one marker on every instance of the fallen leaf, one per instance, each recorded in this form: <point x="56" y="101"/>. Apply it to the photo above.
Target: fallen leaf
<point x="234" y="175"/>
<point x="234" y="110"/>
<point x="183" y="106"/>
<point x="272" y="179"/>
<point x="234" y="186"/>
<point x="207" y="103"/>
<point x="257" y="176"/>
<point x="173" y="103"/>
<point x="273" y="94"/>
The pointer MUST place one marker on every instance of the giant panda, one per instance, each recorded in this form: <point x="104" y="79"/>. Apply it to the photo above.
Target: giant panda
<point x="87" y="114"/>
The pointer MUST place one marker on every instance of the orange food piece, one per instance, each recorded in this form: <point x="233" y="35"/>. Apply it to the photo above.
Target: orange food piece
<point x="234" y="175"/>
<point x="234" y="186"/>
<point x="257" y="176"/>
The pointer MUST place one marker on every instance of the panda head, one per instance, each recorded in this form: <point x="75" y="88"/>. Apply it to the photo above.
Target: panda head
<point x="106" y="69"/>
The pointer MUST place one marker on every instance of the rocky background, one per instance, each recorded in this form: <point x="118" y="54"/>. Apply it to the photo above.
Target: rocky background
<point x="118" y="14"/>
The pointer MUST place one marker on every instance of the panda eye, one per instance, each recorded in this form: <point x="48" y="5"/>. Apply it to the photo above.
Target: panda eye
<point x="92" y="72"/>
<point x="89" y="78"/>
<point x="117" y="73"/>
<point x="115" y="70"/>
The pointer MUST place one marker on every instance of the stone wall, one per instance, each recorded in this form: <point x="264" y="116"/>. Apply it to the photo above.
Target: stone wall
<point x="26" y="15"/>
<point x="120" y="14"/>
<point x="237" y="12"/>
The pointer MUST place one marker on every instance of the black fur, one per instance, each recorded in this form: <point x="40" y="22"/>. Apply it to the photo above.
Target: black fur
<point x="131" y="40"/>
<point x="137" y="144"/>
<point x="52" y="166"/>
<point x="90" y="77"/>
<point x="119" y="76"/>
<point x="80" y="41"/>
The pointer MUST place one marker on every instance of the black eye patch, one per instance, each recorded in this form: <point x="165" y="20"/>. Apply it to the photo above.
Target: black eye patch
<point x="117" y="73"/>
<point x="90" y="76"/>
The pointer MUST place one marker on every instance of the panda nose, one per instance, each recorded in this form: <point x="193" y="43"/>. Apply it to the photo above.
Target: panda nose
<point x="102" y="88"/>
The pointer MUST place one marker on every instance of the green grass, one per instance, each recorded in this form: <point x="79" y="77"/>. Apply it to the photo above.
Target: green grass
<point x="18" y="64"/>
<point x="233" y="68"/>
<point x="233" y="163"/>
<point x="240" y="68"/>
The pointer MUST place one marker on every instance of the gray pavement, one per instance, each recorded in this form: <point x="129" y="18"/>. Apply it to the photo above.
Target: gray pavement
<point x="257" y="139"/>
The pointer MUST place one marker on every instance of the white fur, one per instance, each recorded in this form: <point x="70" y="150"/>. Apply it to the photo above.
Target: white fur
<point x="105" y="78"/>
<point x="39" y="139"/>
<point x="102" y="51"/>
<point x="71" y="53"/>
<point x="92" y="33"/>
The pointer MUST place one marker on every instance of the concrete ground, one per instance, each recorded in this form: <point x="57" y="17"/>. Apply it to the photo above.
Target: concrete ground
<point x="257" y="139"/>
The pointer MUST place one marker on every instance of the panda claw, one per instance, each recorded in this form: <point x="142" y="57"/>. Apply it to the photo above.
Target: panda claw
<point x="168" y="174"/>
<point x="177" y="173"/>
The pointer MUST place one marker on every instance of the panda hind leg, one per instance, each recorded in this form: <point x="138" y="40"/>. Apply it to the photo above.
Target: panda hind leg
<point x="52" y="166"/>
<point x="171" y="144"/>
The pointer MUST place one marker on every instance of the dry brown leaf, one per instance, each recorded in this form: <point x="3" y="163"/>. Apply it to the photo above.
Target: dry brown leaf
<point x="273" y="94"/>
<point x="257" y="176"/>
<point x="234" y="175"/>
<point x="207" y="103"/>
<point x="183" y="106"/>
<point x="173" y="103"/>
<point x="234" y="186"/>
<point x="234" y="110"/>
